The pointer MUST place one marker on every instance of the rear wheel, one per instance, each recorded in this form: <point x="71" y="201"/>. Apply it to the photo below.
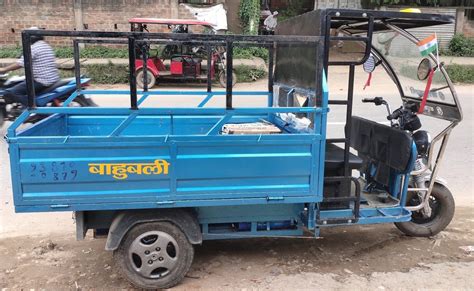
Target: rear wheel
<point x="223" y="79"/>
<point x="140" y="77"/>
<point x="82" y="101"/>
<point x="442" y="211"/>
<point x="3" y="114"/>
<point x="154" y="255"/>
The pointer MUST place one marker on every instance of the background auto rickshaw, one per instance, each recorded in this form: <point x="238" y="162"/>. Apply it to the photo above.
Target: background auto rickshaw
<point x="183" y="60"/>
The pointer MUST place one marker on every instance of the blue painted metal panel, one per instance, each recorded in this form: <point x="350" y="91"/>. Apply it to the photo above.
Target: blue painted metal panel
<point x="370" y="215"/>
<point x="55" y="157"/>
<point x="249" y="213"/>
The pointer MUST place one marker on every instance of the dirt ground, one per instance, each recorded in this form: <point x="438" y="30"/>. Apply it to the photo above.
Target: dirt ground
<point x="370" y="257"/>
<point x="39" y="250"/>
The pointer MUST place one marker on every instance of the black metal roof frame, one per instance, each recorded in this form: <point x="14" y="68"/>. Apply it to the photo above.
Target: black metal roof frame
<point x="355" y="23"/>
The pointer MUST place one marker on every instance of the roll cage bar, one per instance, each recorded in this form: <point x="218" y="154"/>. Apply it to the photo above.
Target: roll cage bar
<point x="140" y="24"/>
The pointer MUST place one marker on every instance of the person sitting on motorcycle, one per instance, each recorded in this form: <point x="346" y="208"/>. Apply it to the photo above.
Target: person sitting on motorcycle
<point x="45" y="71"/>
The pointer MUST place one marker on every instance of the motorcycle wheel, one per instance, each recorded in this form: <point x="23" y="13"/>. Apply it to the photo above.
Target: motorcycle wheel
<point x="442" y="212"/>
<point x="223" y="79"/>
<point x="82" y="101"/>
<point x="140" y="77"/>
<point x="2" y="116"/>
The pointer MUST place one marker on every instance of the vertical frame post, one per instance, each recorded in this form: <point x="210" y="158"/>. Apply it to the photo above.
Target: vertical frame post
<point x="209" y="63"/>
<point x="229" y="67"/>
<point x="271" y="51"/>
<point x="347" y="144"/>
<point x="144" y="51"/>
<point x="133" y="80"/>
<point x="77" y="66"/>
<point x="30" y="86"/>
<point x="326" y="24"/>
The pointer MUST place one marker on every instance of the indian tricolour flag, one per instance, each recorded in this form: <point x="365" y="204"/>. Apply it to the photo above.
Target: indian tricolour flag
<point x="428" y="45"/>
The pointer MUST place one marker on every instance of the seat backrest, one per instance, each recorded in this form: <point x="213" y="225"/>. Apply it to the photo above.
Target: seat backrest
<point x="380" y="143"/>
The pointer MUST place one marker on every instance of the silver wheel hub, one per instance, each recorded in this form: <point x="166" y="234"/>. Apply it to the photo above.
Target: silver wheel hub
<point x="154" y="254"/>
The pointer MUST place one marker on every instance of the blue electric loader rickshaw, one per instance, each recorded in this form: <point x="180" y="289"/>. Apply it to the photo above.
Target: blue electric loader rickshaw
<point x="159" y="180"/>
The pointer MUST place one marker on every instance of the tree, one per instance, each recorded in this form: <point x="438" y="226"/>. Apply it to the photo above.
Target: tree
<point x="249" y="14"/>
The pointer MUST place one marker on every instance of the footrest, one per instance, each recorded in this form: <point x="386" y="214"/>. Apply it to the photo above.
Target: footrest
<point x="334" y="221"/>
<point x="367" y="216"/>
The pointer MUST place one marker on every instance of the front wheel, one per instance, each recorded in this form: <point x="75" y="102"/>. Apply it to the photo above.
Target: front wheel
<point x="150" y="78"/>
<point x="223" y="79"/>
<point x="442" y="211"/>
<point x="154" y="255"/>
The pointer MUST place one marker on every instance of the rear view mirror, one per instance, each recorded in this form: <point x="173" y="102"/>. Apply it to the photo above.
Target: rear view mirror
<point x="369" y="65"/>
<point x="424" y="69"/>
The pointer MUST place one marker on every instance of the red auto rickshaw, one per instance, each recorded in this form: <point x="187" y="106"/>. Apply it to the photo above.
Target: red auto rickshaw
<point x="184" y="60"/>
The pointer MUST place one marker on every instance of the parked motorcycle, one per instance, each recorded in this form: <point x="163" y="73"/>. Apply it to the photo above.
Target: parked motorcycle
<point x="52" y="96"/>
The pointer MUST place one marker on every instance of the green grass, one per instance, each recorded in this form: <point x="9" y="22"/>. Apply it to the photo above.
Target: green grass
<point x="99" y="52"/>
<point x="461" y="73"/>
<point x="248" y="73"/>
<point x="118" y="74"/>
<point x="67" y="52"/>
<point x="10" y="52"/>
<point x="457" y="73"/>
<point x="250" y="52"/>
<point x="460" y="46"/>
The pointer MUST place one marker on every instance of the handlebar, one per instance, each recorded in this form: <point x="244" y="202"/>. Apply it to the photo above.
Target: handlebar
<point x="379" y="101"/>
<point x="395" y="114"/>
<point x="376" y="100"/>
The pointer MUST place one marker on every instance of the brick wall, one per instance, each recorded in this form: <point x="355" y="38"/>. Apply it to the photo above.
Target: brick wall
<point x="93" y="15"/>
<point x="18" y="15"/>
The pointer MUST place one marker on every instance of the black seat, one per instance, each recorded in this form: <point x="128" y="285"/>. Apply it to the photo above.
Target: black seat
<point x="58" y="84"/>
<point x="388" y="149"/>
<point x="335" y="158"/>
<point x="384" y="144"/>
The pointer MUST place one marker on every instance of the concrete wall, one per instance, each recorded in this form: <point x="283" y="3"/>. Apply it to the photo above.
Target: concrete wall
<point x="349" y="4"/>
<point x="464" y="25"/>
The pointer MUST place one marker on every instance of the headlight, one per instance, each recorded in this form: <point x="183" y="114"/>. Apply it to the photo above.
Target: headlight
<point x="422" y="140"/>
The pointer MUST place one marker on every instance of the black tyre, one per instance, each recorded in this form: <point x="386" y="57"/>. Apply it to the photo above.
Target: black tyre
<point x="140" y="76"/>
<point x="2" y="116"/>
<point x="223" y="79"/>
<point x="154" y="255"/>
<point x="81" y="101"/>
<point x="442" y="212"/>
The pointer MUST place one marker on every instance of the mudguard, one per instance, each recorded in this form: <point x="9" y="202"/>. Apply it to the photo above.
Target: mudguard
<point x="150" y="65"/>
<point x="185" y="219"/>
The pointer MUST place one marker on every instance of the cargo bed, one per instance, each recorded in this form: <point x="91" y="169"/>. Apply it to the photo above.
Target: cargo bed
<point x="107" y="162"/>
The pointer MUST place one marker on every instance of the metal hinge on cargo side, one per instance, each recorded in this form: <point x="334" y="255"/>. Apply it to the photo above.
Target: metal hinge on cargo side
<point x="56" y="206"/>
<point x="165" y="202"/>
<point x="275" y="198"/>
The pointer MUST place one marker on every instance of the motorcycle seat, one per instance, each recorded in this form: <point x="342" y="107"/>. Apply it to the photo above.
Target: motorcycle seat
<point x="58" y="84"/>
<point x="334" y="158"/>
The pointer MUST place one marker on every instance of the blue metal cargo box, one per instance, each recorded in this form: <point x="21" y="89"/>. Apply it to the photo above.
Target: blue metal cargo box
<point x="130" y="159"/>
